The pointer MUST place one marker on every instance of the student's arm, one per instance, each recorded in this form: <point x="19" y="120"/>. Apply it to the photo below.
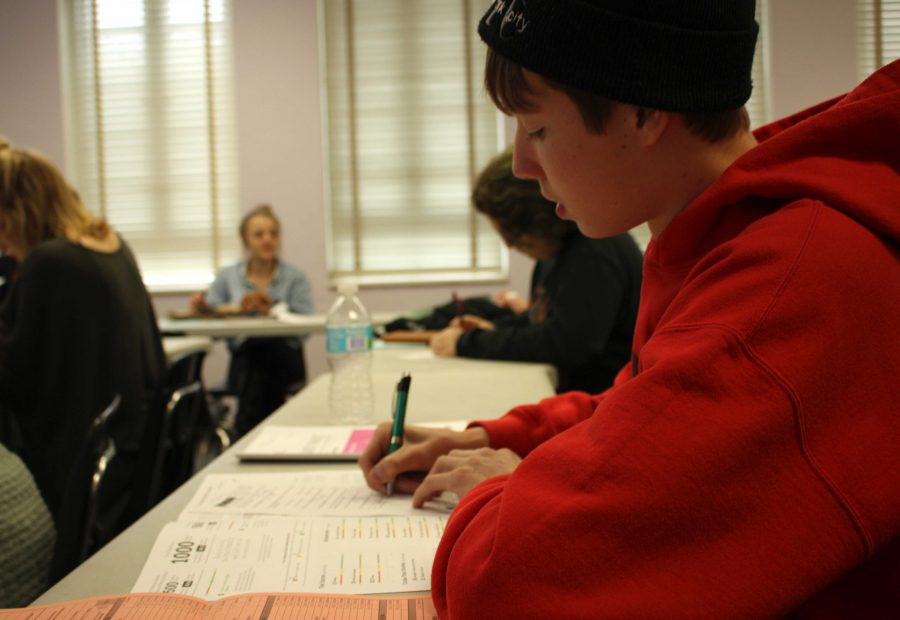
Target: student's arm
<point x="519" y="431"/>
<point x="686" y="494"/>
<point x="527" y="426"/>
<point x="583" y="310"/>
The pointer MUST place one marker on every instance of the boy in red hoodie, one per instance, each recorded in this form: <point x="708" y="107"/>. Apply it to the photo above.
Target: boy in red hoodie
<point x="746" y="464"/>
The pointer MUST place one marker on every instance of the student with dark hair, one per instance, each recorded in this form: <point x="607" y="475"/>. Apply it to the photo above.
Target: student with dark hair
<point x="262" y="370"/>
<point x="584" y="292"/>
<point x="745" y="464"/>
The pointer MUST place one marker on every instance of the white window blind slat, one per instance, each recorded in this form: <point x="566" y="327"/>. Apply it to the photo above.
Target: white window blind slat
<point x="151" y="131"/>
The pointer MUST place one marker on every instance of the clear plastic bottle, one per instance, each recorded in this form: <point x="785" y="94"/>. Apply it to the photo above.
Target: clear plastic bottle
<point x="348" y="331"/>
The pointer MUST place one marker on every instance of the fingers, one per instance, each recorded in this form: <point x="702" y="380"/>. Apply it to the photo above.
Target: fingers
<point x="420" y="448"/>
<point x="451" y="472"/>
<point x="502" y="298"/>
<point x="406" y="484"/>
<point x="375" y="449"/>
<point x="255" y="301"/>
<point x="410" y="458"/>
<point x="443" y="343"/>
<point x="198" y="302"/>
<point x="470" y="321"/>
<point x="448" y="474"/>
<point x="460" y="470"/>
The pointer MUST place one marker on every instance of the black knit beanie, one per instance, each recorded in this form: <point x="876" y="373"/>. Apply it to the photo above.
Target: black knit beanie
<point x="676" y="55"/>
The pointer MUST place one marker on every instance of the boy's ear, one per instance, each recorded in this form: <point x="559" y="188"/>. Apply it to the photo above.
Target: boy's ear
<point x="650" y="124"/>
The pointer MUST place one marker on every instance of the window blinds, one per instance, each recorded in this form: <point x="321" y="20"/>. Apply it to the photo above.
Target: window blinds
<point x="408" y="128"/>
<point x="150" y="128"/>
<point x="878" y="34"/>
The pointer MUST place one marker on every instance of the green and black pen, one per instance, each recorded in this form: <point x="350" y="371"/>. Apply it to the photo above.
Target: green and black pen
<point x="400" y="398"/>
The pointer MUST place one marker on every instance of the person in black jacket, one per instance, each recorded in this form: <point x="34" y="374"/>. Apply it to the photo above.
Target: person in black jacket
<point x="584" y="292"/>
<point x="76" y="329"/>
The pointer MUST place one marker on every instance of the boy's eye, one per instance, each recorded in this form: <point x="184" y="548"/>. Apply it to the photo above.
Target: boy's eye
<point x="537" y="134"/>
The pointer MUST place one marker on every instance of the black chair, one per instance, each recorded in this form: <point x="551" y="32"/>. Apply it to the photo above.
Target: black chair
<point x="217" y="434"/>
<point x="187" y="426"/>
<point x="102" y="450"/>
<point x="181" y="403"/>
<point x="81" y="532"/>
<point x="183" y="414"/>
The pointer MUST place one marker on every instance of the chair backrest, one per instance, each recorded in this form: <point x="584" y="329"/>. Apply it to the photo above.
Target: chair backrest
<point x="184" y="369"/>
<point x="184" y="415"/>
<point x="101" y="450"/>
<point x="80" y="533"/>
<point x="182" y="410"/>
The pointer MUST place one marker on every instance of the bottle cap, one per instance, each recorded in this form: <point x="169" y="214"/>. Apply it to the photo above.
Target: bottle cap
<point x="347" y="287"/>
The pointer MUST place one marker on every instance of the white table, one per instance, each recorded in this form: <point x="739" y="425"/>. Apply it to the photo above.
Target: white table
<point x="258" y="326"/>
<point x="442" y="389"/>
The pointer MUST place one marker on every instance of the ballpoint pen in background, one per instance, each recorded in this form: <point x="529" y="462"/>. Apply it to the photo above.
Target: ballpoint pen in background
<point x="460" y="309"/>
<point x="459" y="305"/>
<point x="400" y="397"/>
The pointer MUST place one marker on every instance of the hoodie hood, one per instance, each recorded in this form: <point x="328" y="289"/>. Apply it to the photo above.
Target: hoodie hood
<point x="844" y="152"/>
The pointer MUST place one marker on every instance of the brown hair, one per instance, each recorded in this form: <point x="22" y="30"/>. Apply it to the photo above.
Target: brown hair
<point x="263" y="209"/>
<point x="517" y="205"/>
<point x="505" y="83"/>
<point x="39" y="202"/>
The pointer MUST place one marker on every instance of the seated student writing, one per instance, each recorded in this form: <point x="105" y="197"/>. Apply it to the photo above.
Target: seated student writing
<point x="76" y="329"/>
<point x="262" y="370"/>
<point x="584" y="292"/>
<point x="745" y="463"/>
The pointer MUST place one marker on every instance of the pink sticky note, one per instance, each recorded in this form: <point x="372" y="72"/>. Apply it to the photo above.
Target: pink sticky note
<point x="358" y="440"/>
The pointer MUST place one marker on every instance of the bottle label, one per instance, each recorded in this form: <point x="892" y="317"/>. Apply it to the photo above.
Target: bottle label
<point x="349" y="339"/>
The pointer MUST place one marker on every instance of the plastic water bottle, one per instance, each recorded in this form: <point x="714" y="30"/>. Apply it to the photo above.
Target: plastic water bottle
<point x="348" y="332"/>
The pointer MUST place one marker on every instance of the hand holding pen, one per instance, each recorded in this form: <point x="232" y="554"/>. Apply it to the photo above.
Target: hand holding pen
<point x="388" y="469"/>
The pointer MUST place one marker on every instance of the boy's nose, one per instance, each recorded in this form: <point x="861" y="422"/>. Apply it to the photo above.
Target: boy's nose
<point x="524" y="164"/>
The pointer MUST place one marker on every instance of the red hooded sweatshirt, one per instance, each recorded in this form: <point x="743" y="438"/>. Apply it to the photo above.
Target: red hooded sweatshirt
<point x="747" y="464"/>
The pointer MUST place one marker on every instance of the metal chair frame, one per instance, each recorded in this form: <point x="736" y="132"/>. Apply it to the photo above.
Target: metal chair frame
<point x="104" y="451"/>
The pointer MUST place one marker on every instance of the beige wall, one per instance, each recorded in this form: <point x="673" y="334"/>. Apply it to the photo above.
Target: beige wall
<point x="812" y="47"/>
<point x="30" y="85"/>
<point x="279" y="128"/>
